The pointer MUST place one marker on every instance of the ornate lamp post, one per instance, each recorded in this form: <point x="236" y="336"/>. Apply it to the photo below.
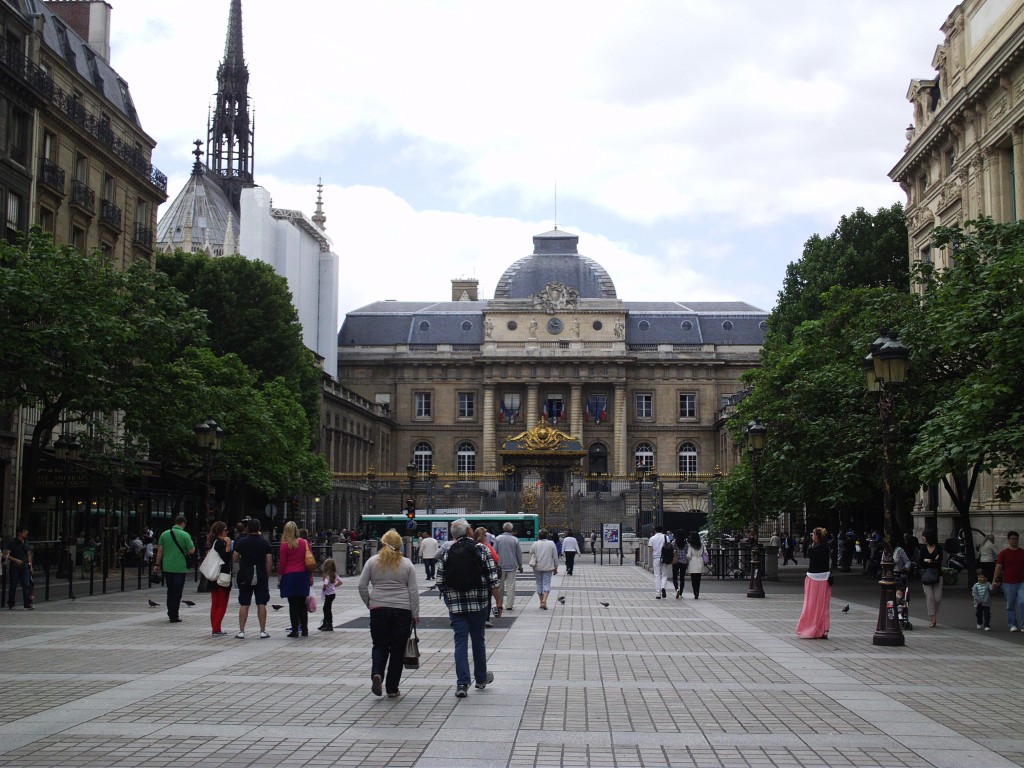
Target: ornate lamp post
<point x="209" y="437"/>
<point x="640" y="473"/>
<point x="371" y="487"/>
<point x="67" y="449"/>
<point x="886" y="369"/>
<point x="756" y="432"/>
<point x="412" y="472"/>
<point x="431" y="478"/>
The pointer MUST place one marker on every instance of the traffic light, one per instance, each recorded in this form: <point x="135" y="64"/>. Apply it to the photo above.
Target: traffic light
<point x="410" y="508"/>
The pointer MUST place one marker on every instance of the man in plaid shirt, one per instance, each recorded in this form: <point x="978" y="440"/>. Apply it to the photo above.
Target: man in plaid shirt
<point x="468" y="612"/>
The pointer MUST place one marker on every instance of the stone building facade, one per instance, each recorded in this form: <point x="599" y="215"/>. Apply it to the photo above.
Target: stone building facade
<point x="74" y="159"/>
<point x="964" y="159"/>
<point x="640" y="384"/>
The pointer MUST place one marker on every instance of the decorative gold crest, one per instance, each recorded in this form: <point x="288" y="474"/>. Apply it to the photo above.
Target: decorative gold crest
<point x="542" y="437"/>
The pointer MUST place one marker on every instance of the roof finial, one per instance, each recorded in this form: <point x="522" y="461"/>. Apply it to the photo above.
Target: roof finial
<point x="319" y="218"/>
<point x="197" y="166"/>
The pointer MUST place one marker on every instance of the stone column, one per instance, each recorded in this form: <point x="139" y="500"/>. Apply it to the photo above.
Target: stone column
<point x="490" y="457"/>
<point x="622" y="463"/>
<point x="576" y="411"/>
<point x="532" y="413"/>
<point x="1017" y="134"/>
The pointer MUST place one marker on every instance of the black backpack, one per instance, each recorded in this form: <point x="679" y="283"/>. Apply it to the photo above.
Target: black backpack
<point x="668" y="552"/>
<point x="463" y="567"/>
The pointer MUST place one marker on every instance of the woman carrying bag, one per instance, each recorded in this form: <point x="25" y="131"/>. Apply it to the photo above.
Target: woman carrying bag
<point x="295" y="577"/>
<point x="387" y="586"/>
<point x="220" y="589"/>
<point x="929" y="560"/>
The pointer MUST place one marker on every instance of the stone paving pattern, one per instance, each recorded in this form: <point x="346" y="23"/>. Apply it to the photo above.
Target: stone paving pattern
<point x="723" y="681"/>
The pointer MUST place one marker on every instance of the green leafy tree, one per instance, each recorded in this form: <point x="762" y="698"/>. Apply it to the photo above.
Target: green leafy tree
<point x="251" y="315"/>
<point x="864" y="251"/>
<point x="78" y="336"/>
<point x="970" y="346"/>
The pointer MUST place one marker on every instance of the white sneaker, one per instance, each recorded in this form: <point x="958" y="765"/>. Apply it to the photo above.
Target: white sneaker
<point x="988" y="629"/>
<point x="979" y="626"/>
<point x="264" y="634"/>
<point x="1013" y="629"/>
<point x="240" y="635"/>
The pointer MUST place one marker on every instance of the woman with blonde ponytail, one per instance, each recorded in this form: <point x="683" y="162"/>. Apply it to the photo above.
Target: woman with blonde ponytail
<point x="387" y="586"/>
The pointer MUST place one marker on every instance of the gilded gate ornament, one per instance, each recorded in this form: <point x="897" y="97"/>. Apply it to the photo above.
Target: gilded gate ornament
<point x="541" y="438"/>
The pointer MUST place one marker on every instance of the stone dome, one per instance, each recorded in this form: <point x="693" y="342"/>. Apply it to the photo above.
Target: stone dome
<point x="555" y="259"/>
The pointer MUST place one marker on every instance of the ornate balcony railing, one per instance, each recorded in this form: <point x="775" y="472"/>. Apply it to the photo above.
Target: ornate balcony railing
<point x="51" y="174"/>
<point x="110" y="215"/>
<point x="83" y="196"/>
<point x="40" y="81"/>
<point x="143" y="236"/>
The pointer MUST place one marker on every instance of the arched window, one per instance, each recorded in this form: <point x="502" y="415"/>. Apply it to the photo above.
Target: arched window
<point x="423" y="457"/>
<point x="465" y="458"/>
<point x="687" y="459"/>
<point x="644" y="455"/>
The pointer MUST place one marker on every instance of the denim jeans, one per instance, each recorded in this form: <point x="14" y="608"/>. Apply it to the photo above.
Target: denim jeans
<point x="19" y="574"/>
<point x="389" y="630"/>
<point x="429" y="564"/>
<point x="175" y="586"/>
<point x="470" y="626"/>
<point x="1014" y="597"/>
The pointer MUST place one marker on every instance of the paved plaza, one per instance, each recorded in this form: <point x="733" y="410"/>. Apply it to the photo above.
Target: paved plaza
<point x="723" y="681"/>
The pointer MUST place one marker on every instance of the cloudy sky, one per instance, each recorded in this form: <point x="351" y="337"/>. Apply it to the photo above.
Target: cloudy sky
<point x="694" y="146"/>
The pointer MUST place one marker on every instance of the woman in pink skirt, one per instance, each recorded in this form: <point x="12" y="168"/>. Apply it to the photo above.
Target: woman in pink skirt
<point x="814" y="619"/>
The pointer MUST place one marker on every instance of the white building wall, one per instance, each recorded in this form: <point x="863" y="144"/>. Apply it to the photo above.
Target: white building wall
<point x="296" y="255"/>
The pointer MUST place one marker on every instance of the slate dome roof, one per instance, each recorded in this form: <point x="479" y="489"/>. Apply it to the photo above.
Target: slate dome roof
<point x="555" y="259"/>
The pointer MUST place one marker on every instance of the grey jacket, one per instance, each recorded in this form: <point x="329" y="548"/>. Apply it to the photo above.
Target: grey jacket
<point x="509" y="552"/>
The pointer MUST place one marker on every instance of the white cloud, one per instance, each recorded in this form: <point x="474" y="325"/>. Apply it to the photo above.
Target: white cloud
<point x="660" y="119"/>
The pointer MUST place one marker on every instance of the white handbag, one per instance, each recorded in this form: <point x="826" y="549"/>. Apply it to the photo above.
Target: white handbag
<point x="211" y="564"/>
<point x="223" y="579"/>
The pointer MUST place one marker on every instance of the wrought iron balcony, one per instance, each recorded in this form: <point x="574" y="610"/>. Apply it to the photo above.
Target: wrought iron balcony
<point x="143" y="236"/>
<point x="110" y="215"/>
<point x="17" y="65"/>
<point x="52" y="175"/>
<point x="83" y="197"/>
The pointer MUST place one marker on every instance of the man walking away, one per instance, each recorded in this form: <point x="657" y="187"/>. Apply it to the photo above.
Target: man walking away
<point x="428" y="554"/>
<point x="661" y="570"/>
<point x="18" y="556"/>
<point x="172" y="551"/>
<point x="570" y="548"/>
<point x="255" y="561"/>
<point x="1009" y="571"/>
<point x="466" y="574"/>
<point x="510" y="557"/>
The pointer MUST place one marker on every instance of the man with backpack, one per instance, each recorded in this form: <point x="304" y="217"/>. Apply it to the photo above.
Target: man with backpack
<point x="662" y="554"/>
<point x="466" y="573"/>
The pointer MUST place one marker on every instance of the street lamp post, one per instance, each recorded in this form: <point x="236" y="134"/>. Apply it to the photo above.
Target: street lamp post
<point x="431" y="480"/>
<point x="640" y="472"/>
<point x="412" y="472"/>
<point x="371" y="487"/>
<point x="209" y="436"/>
<point x="68" y="449"/>
<point x="756" y="432"/>
<point x="886" y="369"/>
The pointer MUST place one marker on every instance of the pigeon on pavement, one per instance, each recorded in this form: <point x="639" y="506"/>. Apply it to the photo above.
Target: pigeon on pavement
<point x="189" y="603"/>
<point x="276" y="607"/>
<point x="561" y="599"/>
<point x="152" y="604"/>
<point x="846" y="609"/>
<point x="605" y="604"/>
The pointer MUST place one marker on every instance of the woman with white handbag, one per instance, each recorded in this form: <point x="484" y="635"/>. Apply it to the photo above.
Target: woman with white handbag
<point x="220" y="588"/>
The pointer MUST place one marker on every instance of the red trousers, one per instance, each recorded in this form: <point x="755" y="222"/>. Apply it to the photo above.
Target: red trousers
<point x="218" y="605"/>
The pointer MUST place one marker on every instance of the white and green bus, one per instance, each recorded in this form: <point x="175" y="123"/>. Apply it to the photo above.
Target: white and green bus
<point x="437" y="523"/>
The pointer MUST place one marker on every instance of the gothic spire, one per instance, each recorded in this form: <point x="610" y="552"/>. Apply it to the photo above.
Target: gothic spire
<point x="319" y="218"/>
<point x="230" y="141"/>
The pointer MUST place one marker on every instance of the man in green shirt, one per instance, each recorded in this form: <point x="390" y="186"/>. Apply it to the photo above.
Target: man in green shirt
<point x="171" y="551"/>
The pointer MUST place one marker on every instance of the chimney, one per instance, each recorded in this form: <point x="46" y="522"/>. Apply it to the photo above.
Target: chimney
<point x="90" y="20"/>
<point x="465" y="289"/>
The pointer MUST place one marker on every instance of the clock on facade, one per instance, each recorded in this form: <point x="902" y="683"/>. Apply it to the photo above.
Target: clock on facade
<point x="554" y="326"/>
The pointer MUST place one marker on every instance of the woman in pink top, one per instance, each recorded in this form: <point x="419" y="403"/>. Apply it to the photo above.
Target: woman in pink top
<point x="293" y="579"/>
